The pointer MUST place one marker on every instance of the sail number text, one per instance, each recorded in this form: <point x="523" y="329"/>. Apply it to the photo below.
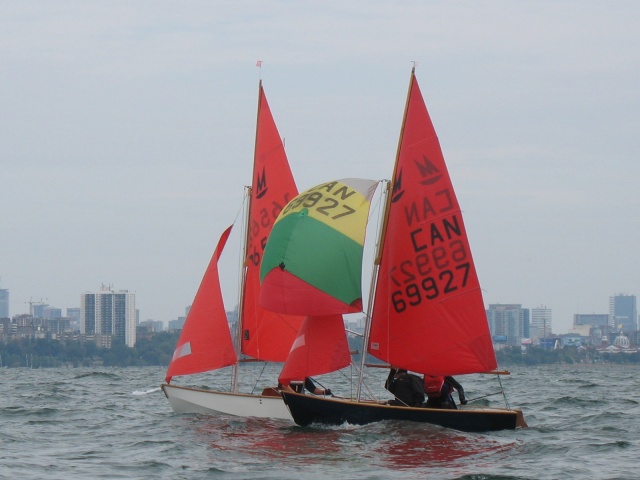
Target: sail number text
<point x="262" y="220"/>
<point x="322" y="204"/>
<point x="428" y="275"/>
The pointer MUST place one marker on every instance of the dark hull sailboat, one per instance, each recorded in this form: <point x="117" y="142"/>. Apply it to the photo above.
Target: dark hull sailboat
<point x="308" y="409"/>
<point x="426" y="313"/>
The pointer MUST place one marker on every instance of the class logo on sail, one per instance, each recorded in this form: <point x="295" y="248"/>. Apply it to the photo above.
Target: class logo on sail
<point x="430" y="174"/>
<point x="261" y="184"/>
<point x="398" y="190"/>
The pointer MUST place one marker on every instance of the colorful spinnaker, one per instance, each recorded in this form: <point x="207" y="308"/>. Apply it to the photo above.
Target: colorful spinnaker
<point x="312" y="263"/>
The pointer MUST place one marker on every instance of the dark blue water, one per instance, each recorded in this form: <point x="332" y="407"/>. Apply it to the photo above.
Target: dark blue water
<point x="584" y="422"/>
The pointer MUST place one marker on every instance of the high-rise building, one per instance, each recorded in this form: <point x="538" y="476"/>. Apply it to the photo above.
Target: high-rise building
<point x="4" y="303"/>
<point x="109" y="313"/>
<point x="540" y="322"/>
<point x="506" y="322"/>
<point x="593" y="319"/>
<point x="624" y="314"/>
<point x="51" y="313"/>
<point x="74" y="315"/>
<point x="36" y="309"/>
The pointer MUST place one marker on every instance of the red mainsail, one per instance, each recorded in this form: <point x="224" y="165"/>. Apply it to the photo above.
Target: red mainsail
<point x="205" y="342"/>
<point x="266" y="335"/>
<point x="428" y="313"/>
<point x="320" y="347"/>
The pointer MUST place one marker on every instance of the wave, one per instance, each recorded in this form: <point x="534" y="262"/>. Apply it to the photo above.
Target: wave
<point x="98" y="375"/>
<point x="146" y="392"/>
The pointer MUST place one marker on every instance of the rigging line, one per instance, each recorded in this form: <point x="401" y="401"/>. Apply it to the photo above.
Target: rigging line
<point x="375" y="207"/>
<point x="372" y="287"/>
<point x="318" y="382"/>
<point x="484" y="396"/>
<point x="352" y="332"/>
<point x="506" y="402"/>
<point x="259" y="377"/>
<point x="363" y="384"/>
<point x="241" y="210"/>
<point x="384" y="185"/>
<point x="242" y="255"/>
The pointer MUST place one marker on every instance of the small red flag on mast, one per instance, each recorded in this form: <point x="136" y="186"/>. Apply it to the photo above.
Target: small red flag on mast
<point x="259" y="63"/>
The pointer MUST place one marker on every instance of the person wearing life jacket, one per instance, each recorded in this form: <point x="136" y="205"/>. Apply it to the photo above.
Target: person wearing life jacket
<point x="439" y="390"/>
<point x="407" y="388"/>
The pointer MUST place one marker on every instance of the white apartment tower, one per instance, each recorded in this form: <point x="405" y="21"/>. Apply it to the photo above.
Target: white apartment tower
<point x="540" y="326"/>
<point x="508" y="321"/>
<point x="109" y="313"/>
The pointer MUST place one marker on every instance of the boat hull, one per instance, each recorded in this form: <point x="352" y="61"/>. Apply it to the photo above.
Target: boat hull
<point x="308" y="409"/>
<point x="211" y="402"/>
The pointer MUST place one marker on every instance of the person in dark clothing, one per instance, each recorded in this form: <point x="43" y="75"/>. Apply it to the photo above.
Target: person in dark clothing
<point x="439" y="390"/>
<point x="300" y="387"/>
<point x="406" y="387"/>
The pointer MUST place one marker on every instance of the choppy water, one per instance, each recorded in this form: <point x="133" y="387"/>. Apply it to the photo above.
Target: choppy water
<point x="584" y="421"/>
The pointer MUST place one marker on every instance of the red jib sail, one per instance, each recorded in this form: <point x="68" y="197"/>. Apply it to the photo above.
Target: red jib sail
<point x="428" y="314"/>
<point x="320" y="347"/>
<point x="205" y="342"/>
<point x="266" y="335"/>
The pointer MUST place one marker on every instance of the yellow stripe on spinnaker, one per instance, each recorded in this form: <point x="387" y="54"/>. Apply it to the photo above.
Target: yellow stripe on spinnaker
<point x="340" y="204"/>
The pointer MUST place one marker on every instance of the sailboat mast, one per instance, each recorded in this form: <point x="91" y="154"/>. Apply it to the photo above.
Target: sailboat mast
<point x="245" y="247"/>
<point x="237" y="341"/>
<point x="391" y="187"/>
<point x="385" y="221"/>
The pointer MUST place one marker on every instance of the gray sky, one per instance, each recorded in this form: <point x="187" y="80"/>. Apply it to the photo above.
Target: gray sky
<point x="127" y="130"/>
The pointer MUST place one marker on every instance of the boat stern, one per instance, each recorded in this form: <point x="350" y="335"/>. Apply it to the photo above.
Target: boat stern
<point x="520" y="421"/>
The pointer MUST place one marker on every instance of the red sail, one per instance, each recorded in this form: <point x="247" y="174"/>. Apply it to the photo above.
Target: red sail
<point x="428" y="313"/>
<point x="320" y="347"/>
<point x="205" y="342"/>
<point x="266" y="335"/>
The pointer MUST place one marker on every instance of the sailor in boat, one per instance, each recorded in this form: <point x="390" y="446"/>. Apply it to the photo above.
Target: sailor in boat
<point x="299" y="387"/>
<point x="406" y="387"/>
<point x="439" y="390"/>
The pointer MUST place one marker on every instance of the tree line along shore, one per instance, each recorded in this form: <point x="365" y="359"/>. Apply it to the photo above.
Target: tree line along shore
<point x="157" y="349"/>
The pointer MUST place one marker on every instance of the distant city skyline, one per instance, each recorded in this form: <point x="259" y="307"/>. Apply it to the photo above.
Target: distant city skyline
<point x="539" y="314"/>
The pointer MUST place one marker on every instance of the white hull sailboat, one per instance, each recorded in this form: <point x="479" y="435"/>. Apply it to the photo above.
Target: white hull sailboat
<point x="210" y="402"/>
<point x="206" y="343"/>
